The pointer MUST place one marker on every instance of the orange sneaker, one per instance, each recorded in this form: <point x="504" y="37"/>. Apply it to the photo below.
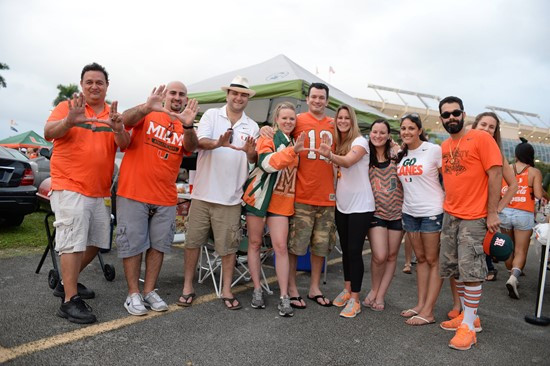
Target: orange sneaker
<point x="342" y="298"/>
<point x="455" y="323"/>
<point x="351" y="310"/>
<point x="453" y="313"/>
<point x="464" y="338"/>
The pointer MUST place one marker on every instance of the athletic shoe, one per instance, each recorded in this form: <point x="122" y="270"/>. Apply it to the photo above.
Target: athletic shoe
<point x="464" y="338"/>
<point x="351" y="310"/>
<point x="152" y="300"/>
<point x="76" y="311"/>
<point x="134" y="305"/>
<point x="82" y="290"/>
<point x="512" y="286"/>
<point x="285" y="309"/>
<point x="258" y="299"/>
<point x="453" y="313"/>
<point x="455" y="323"/>
<point x="342" y="298"/>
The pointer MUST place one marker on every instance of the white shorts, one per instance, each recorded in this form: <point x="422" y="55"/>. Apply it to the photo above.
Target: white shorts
<point x="80" y="221"/>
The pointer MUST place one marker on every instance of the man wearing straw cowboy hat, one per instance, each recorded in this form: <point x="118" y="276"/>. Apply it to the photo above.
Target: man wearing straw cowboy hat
<point x="226" y="147"/>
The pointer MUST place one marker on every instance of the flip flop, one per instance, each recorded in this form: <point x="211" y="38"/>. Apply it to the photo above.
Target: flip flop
<point x="185" y="302"/>
<point x="407" y="269"/>
<point x="492" y="275"/>
<point x="231" y="300"/>
<point x="316" y="298"/>
<point x="367" y="302"/>
<point x="414" y="312"/>
<point x="424" y="320"/>
<point x="377" y="306"/>
<point x="299" y="299"/>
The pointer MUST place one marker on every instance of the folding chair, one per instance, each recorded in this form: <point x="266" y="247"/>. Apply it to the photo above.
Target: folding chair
<point x="209" y="262"/>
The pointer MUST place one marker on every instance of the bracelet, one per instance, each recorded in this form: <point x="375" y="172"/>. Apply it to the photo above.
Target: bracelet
<point x="188" y="127"/>
<point x="330" y="156"/>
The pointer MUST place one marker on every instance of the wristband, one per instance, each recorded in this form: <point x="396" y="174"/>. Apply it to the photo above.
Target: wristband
<point x="188" y="127"/>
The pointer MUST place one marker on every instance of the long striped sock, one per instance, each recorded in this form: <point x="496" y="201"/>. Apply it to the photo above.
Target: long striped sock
<point x="460" y="291"/>
<point x="472" y="295"/>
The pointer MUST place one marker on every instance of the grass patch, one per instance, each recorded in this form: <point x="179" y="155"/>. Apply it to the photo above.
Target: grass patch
<point x="31" y="234"/>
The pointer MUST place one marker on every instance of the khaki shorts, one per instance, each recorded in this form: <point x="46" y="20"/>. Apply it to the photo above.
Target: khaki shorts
<point x="80" y="221"/>
<point x="461" y="255"/>
<point x="225" y="222"/>
<point x="312" y="225"/>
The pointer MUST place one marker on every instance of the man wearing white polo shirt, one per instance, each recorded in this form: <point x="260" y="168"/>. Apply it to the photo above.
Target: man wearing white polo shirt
<point x="226" y="146"/>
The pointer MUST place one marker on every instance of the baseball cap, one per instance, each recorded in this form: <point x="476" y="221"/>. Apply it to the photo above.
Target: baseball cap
<point x="498" y="245"/>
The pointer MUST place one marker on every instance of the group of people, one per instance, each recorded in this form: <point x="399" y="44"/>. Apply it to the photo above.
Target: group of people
<point x="306" y="178"/>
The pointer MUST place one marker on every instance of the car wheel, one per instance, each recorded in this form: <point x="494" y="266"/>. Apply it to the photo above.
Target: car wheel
<point x="14" y="220"/>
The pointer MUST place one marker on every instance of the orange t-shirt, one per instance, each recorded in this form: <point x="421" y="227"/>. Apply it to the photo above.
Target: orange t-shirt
<point x="524" y="198"/>
<point x="83" y="159"/>
<point x="464" y="173"/>
<point x="315" y="182"/>
<point x="152" y="161"/>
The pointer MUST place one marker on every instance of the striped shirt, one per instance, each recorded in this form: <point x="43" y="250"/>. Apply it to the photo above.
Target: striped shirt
<point x="387" y="190"/>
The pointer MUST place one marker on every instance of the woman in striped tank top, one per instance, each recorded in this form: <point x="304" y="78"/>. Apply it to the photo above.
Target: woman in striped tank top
<point x="518" y="218"/>
<point x="385" y="231"/>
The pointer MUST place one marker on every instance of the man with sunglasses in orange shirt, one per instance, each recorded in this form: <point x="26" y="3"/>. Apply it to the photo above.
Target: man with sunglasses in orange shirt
<point x="85" y="132"/>
<point x="472" y="176"/>
<point x="162" y="132"/>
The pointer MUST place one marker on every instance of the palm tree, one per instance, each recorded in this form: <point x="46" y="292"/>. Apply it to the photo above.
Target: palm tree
<point x="65" y="93"/>
<point x="2" y="81"/>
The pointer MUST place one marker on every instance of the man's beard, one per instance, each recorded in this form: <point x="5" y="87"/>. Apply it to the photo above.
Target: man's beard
<point x="455" y="127"/>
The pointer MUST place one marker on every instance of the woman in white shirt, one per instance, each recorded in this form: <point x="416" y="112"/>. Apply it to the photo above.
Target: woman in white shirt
<point x="354" y="203"/>
<point x="419" y="165"/>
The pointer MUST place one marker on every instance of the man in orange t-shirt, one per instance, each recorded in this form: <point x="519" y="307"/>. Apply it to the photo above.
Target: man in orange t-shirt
<point x="85" y="132"/>
<point x="472" y="175"/>
<point x="313" y="221"/>
<point x="162" y="132"/>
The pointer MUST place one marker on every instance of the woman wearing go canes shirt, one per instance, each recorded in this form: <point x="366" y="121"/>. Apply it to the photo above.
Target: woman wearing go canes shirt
<point x="418" y="169"/>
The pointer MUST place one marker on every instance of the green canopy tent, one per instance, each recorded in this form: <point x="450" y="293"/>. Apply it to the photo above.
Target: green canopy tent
<point x="25" y="139"/>
<point x="277" y="80"/>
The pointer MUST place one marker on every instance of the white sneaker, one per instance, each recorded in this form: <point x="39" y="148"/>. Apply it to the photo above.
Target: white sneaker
<point x="152" y="300"/>
<point x="512" y="286"/>
<point x="134" y="304"/>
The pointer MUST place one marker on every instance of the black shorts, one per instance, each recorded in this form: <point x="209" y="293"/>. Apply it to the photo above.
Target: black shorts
<point x="389" y="224"/>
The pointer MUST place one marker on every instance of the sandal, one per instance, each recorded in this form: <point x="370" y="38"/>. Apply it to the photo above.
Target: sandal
<point x="407" y="268"/>
<point x="298" y="299"/>
<point x="227" y="301"/>
<point x="405" y="313"/>
<point x="492" y="275"/>
<point x="321" y="303"/>
<point x="414" y="321"/>
<point x="184" y="300"/>
<point x="375" y="306"/>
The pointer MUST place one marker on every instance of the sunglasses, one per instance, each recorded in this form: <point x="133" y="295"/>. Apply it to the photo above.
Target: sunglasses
<point x="230" y="137"/>
<point x="411" y="116"/>
<point x="455" y="113"/>
<point x="170" y="130"/>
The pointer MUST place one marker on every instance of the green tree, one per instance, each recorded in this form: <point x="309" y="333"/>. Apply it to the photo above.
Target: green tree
<point x="65" y="93"/>
<point x="2" y="81"/>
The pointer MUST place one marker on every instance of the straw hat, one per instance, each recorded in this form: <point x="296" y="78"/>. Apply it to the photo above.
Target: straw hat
<point x="240" y="84"/>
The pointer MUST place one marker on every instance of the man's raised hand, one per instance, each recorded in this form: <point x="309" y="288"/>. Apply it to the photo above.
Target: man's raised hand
<point x="154" y="102"/>
<point x="77" y="110"/>
<point x="189" y="113"/>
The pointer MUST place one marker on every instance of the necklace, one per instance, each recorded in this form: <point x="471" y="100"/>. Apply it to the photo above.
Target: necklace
<point x="451" y="150"/>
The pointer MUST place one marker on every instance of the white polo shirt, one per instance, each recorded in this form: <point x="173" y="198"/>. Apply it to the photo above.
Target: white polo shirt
<point x="222" y="172"/>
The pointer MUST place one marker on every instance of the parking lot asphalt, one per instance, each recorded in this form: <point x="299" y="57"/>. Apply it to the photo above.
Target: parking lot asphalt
<point x="208" y="334"/>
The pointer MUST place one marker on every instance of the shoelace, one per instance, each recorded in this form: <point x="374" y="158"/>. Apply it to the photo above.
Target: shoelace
<point x="350" y="305"/>
<point x="155" y="296"/>
<point x="285" y="302"/>
<point x="257" y="295"/>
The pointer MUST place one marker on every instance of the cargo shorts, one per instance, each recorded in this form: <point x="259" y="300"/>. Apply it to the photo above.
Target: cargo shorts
<point x="461" y="255"/>
<point x="312" y="226"/>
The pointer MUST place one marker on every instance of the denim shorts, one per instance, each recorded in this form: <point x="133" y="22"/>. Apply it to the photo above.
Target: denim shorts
<point x="428" y="224"/>
<point x="511" y="218"/>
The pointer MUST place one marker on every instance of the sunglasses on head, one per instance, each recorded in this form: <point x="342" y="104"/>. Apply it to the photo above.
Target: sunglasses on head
<point x="455" y="113"/>
<point x="230" y="137"/>
<point x="170" y="130"/>
<point x="411" y="116"/>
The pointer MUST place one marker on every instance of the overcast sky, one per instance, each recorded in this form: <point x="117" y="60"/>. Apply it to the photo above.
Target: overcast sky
<point x="492" y="52"/>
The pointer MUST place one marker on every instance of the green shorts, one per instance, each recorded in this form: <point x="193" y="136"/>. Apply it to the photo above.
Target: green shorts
<point x="312" y="226"/>
<point x="461" y="255"/>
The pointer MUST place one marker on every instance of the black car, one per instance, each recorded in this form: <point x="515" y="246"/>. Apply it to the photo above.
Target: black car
<point x="17" y="193"/>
